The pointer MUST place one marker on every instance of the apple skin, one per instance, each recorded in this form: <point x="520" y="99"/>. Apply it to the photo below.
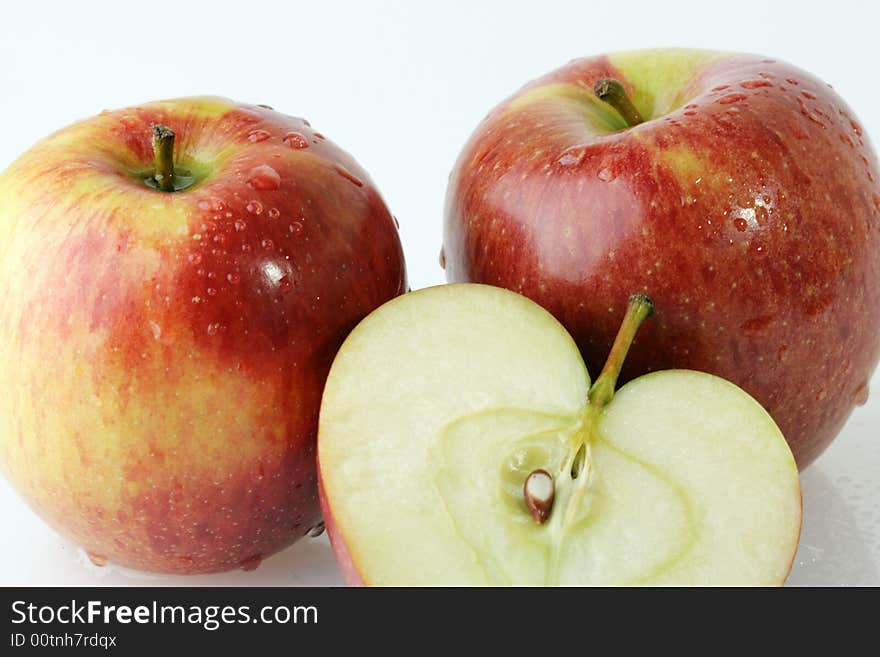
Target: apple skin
<point x="749" y="212"/>
<point x="344" y="561"/>
<point x="162" y="355"/>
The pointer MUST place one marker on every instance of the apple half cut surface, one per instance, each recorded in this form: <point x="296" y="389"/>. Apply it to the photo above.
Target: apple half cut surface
<point x="462" y="443"/>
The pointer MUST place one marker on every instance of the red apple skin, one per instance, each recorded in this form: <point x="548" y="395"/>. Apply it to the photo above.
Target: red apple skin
<point x="162" y="355"/>
<point x="750" y="215"/>
<point x="349" y="571"/>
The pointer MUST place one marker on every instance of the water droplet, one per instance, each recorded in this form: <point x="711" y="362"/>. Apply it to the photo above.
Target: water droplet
<point x="690" y="113"/>
<point x="759" y="248"/>
<point x="264" y="178"/>
<point x="317" y="530"/>
<point x="258" y="135"/>
<point x="211" y="291"/>
<point x="569" y="159"/>
<point x="295" y="228"/>
<point x="740" y="224"/>
<point x="267" y="244"/>
<point x="860" y="396"/>
<point x="254" y="207"/>
<point x="246" y="248"/>
<point x="156" y="330"/>
<point x="808" y="95"/>
<point x="212" y="205"/>
<point x="691" y="106"/>
<point x="396" y="222"/>
<point x="605" y="174"/>
<point x="755" y="84"/>
<point x="194" y="258"/>
<point x="442" y="258"/>
<point x="240" y="225"/>
<point x="251" y="563"/>
<point x="729" y="99"/>
<point x="185" y="562"/>
<point x="721" y="87"/>
<point x="319" y="136"/>
<point x="348" y="175"/>
<point x="856" y="128"/>
<point x="791" y="81"/>
<point x="285" y="284"/>
<point x="273" y="213"/>
<point x="233" y="278"/>
<point x="296" y="140"/>
<point x="99" y="560"/>
<point x="213" y="328"/>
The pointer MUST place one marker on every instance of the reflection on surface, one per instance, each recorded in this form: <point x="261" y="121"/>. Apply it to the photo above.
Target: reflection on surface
<point x="835" y="546"/>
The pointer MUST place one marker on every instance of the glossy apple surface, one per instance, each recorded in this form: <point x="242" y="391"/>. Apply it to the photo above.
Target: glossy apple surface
<point x="162" y="355"/>
<point x="746" y="205"/>
<point x="678" y="478"/>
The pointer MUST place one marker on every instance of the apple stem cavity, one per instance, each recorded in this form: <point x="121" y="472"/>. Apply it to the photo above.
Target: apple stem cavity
<point x="639" y="308"/>
<point x="611" y="91"/>
<point x="539" y="491"/>
<point x="163" y="153"/>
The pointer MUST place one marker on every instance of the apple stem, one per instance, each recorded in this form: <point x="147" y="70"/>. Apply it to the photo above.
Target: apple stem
<point x="611" y="91"/>
<point x="640" y="307"/>
<point x="163" y="153"/>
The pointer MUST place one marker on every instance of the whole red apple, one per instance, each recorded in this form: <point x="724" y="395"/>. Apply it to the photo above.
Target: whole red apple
<point x="737" y="191"/>
<point x="175" y="280"/>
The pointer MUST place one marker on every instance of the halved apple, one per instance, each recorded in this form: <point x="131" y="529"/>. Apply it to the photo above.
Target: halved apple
<point x="461" y="443"/>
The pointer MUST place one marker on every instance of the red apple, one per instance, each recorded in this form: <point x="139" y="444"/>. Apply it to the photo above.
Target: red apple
<point x="163" y="353"/>
<point x="746" y="205"/>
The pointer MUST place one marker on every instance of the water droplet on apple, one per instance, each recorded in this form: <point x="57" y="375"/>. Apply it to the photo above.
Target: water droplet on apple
<point x="233" y="278"/>
<point x="317" y="530"/>
<point x="211" y="291"/>
<point x="99" y="560"/>
<point x="740" y="224"/>
<point x="396" y="222"/>
<point x="319" y="136"/>
<point x="729" y="99"/>
<point x="570" y="159"/>
<point x="258" y="135"/>
<point x="267" y="244"/>
<point x="194" y="258"/>
<point x="264" y="178"/>
<point x="285" y="284"/>
<point x="254" y="207"/>
<point x="246" y="248"/>
<point x="442" y="258"/>
<point x="273" y="213"/>
<point x="213" y="328"/>
<point x="296" y="140"/>
<point x="721" y="87"/>
<point x="605" y="174"/>
<point x="156" y="330"/>
<point x="295" y="228"/>
<point x="251" y="563"/>
<point x="240" y="225"/>
<point x="755" y="84"/>
<point x="348" y="175"/>
<point x="791" y="81"/>
<point x="759" y="248"/>
<point x="860" y="397"/>
<point x="185" y="562"/>
<point x="808" y="95"/>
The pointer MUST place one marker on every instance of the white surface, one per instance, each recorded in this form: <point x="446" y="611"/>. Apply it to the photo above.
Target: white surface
<point x="401" y="85"/>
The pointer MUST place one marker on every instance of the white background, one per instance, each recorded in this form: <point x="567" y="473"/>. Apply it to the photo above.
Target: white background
<point x="401" y="85"/>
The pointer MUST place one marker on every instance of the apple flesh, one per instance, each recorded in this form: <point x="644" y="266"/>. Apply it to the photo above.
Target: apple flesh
<point x="162" y="355"/>
<point x="441" y="404"/>
<point x="747" y="205"/>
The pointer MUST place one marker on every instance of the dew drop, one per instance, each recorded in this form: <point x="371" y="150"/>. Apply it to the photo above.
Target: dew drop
<point x="721" y="87"/>
<point x="808" y="95"/>
<point x="755" y="84"/>
<point x="99" y="560"/>
<point x="690" y="113"/>
<point x="211" y="291"/>
<point x="273" y="213"/>
<point x="605" y="174"/>
<point x="233" y="278"/>
<point x="246" y="248"/>
<point x="348" y="175"/>
<point x="194" y="258"/>
<point x="570" y="159"/>
<point x="295" y="228"/>
<point x="740" y="224"/>
<point x="213" y="328"/>
<point x="240" y="225"/>
<point x="264" y="178"/>
<point x="285" y="284"/>
<point x="184" y="562"/>
<point x="251" y="563"/>
<point x="729" y="99"/>
<point x="258" y="135"/>
<point x="296" y="140"/>
<point x="212" y="205"/>
<point x="254" y="207"/>
<point x="442" y="258"/>
<point x="396" y="222"/>
<point x="319" y="136"/>
<point x="758" y="247"/>
<point x="317" y="530"/>
<point x="860" y="396"/>
<point x="267" y="244"/>
<point x="791" y="81"/>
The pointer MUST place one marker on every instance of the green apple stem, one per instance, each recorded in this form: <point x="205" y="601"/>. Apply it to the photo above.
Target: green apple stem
<point x="638" y="309"/>
<point x="163" y="153"/>
<point x="612" y="92"/>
